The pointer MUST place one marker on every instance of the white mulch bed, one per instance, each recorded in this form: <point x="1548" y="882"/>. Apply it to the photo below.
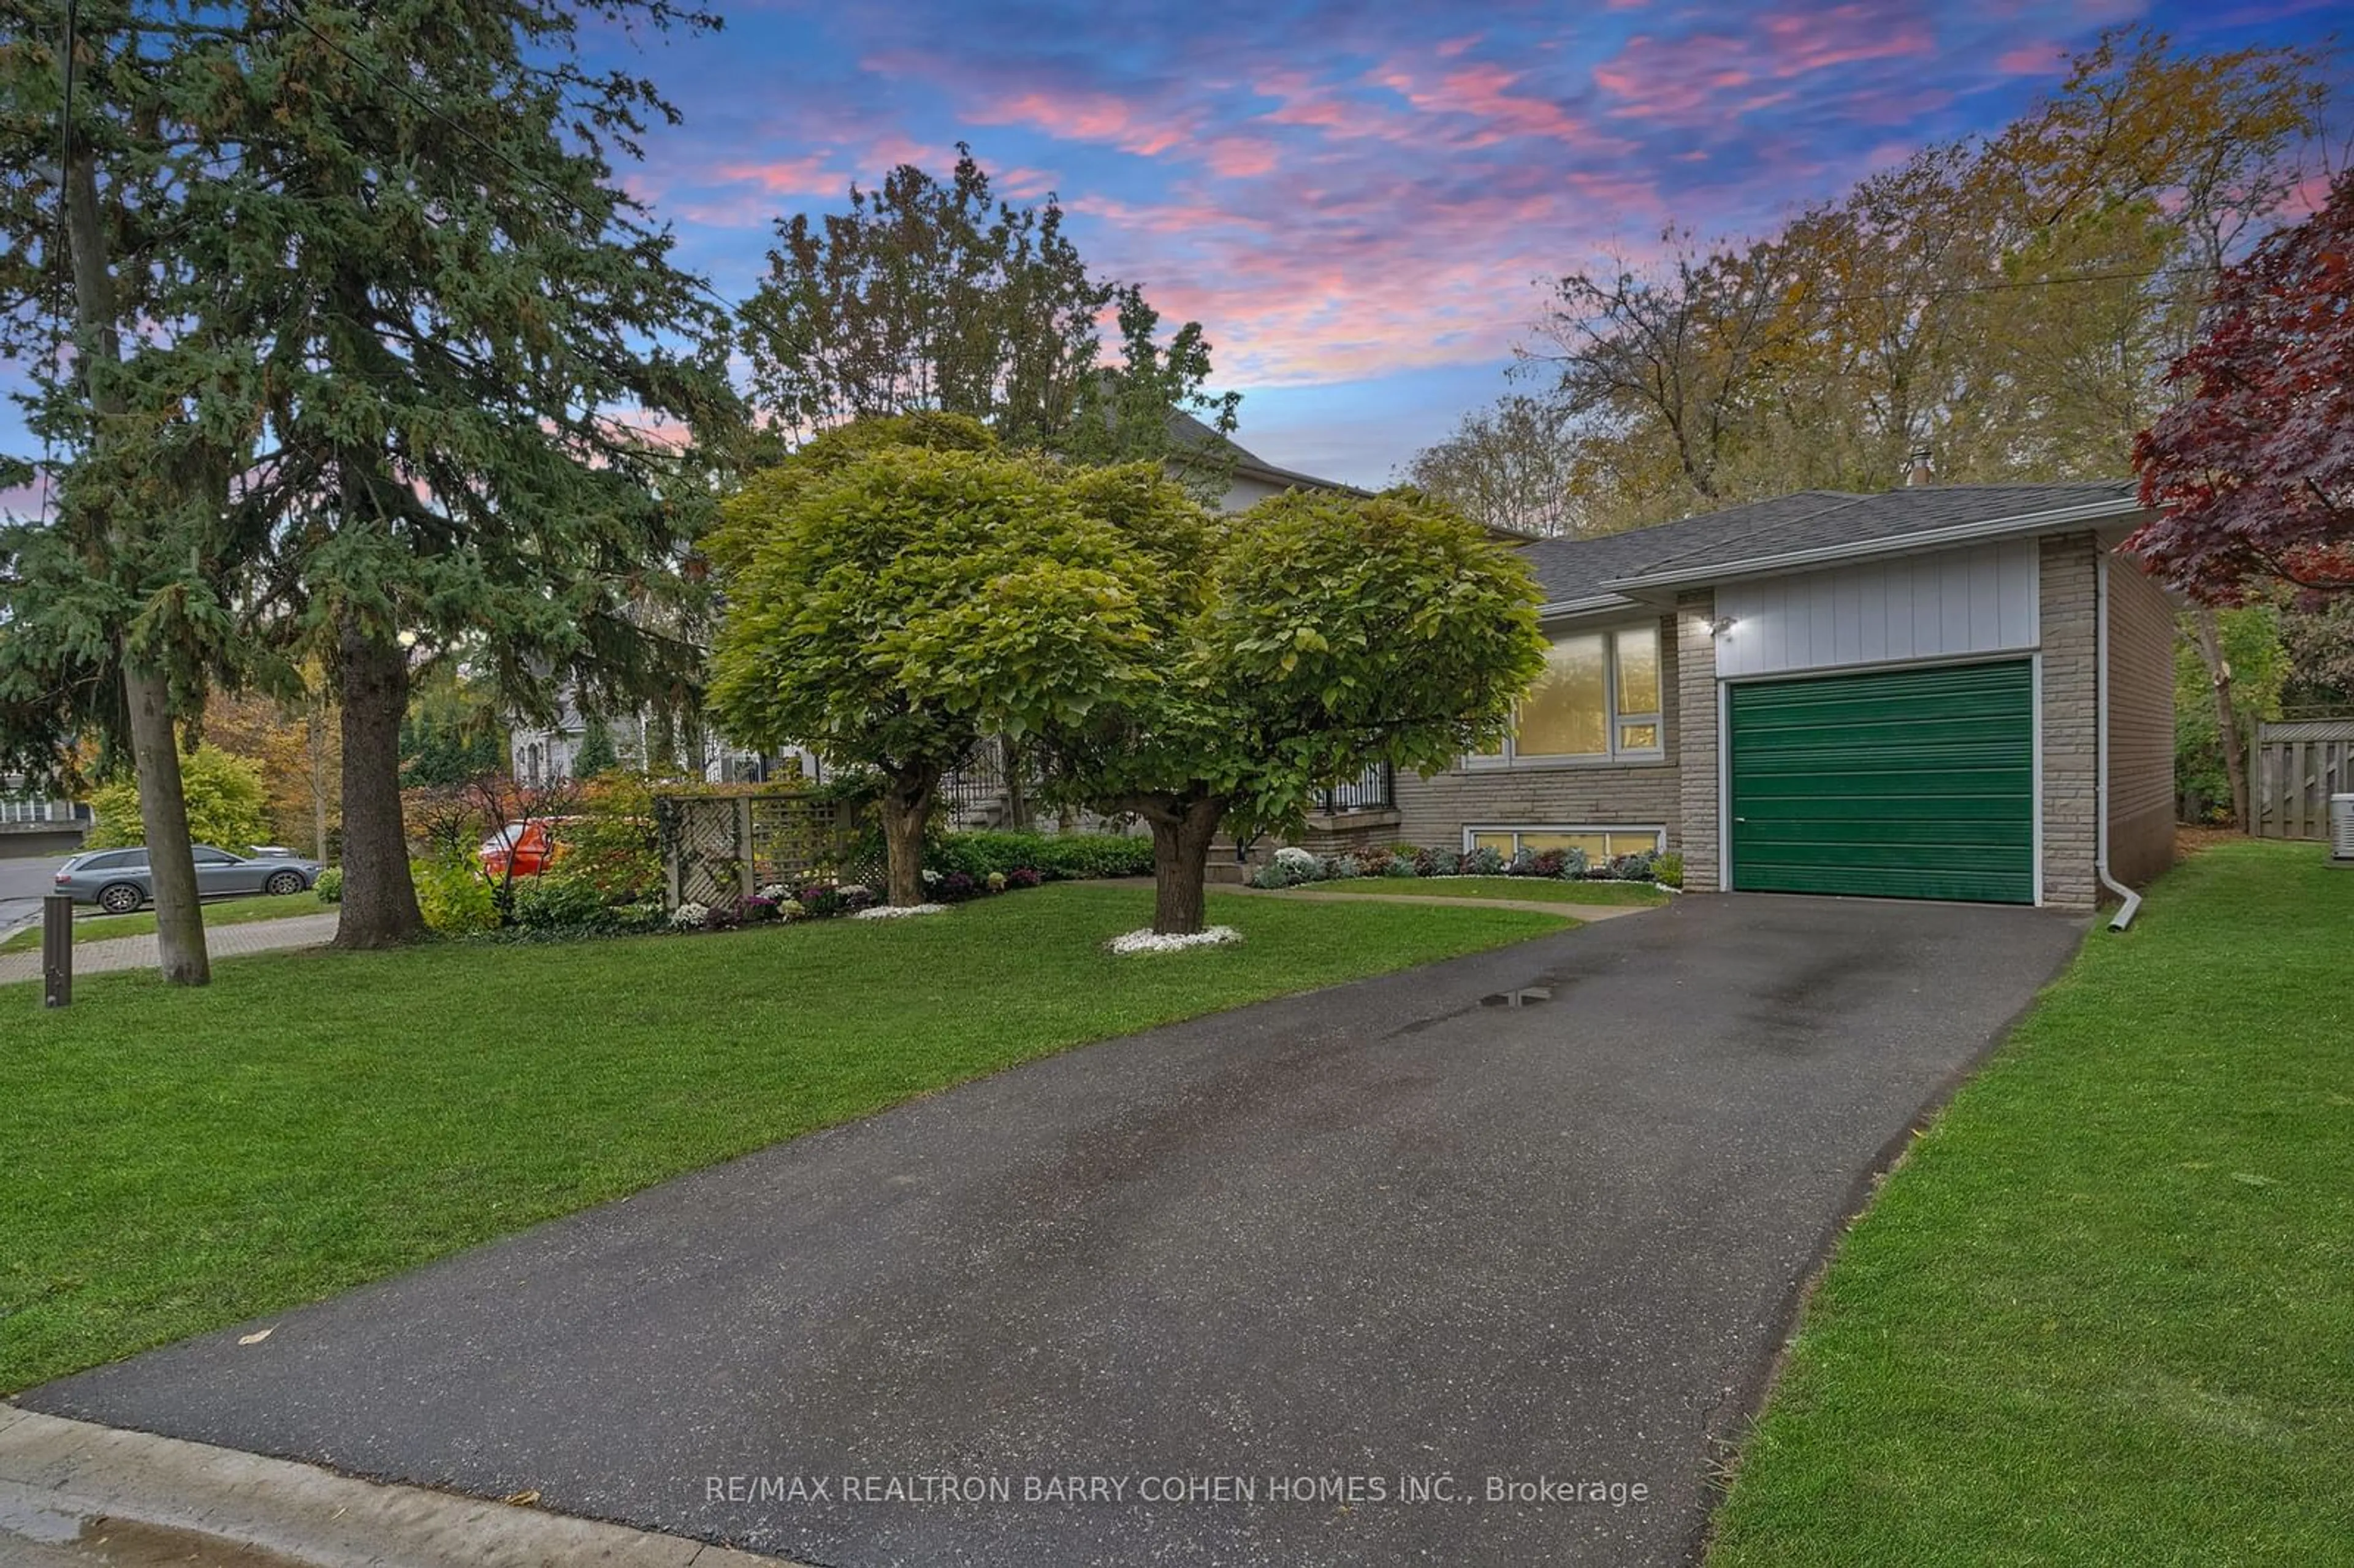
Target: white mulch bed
<point x="894" y="911"/>
<point x="1151" y="941"/>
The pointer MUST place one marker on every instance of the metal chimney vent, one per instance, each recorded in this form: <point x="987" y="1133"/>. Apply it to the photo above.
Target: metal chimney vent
<point x="2341" y="829"/>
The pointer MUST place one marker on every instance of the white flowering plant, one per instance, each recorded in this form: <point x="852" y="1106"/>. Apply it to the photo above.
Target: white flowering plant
<point x="1151" y="941"/>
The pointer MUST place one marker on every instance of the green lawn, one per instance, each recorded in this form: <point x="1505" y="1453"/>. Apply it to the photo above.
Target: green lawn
<point x="1536" y="889"/>
<point x="228" y="912"/>
<point x="180" y="1160"/>
<point x="2104" y="1313"/>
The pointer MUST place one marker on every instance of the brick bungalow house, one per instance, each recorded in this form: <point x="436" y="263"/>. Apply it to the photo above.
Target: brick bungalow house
<point x="1940" y="691"/>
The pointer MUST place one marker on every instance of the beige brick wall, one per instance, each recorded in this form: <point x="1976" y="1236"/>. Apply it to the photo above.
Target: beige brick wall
<point x="2070" y="714"/>
<point x="1434" y="812"/>
<point x="2141" y="724"/>
<point x="1696" y="805"/>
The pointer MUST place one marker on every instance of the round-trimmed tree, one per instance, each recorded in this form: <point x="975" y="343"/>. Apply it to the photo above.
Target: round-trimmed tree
<point x="892" y="605"/>
<point x="1290" y="648"/>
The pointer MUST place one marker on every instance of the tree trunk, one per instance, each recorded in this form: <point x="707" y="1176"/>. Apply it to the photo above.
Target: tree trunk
<point x="146" y="690"/>
<point x="1182" y="832"/>
<point x="2227" y="716"/>
<point x="164" y="825"/>
<point x="905" y="805"/>
<point x="379" y="907"/>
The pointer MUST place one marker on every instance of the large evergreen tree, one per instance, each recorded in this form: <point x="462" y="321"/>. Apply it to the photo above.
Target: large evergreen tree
<point x="469" y="375"/>
<point x="112" y="610"/>
<point x="415" y="374"/>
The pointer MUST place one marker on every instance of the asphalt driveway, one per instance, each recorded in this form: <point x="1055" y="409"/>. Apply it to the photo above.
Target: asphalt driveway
<point x="1287" y="1263"/>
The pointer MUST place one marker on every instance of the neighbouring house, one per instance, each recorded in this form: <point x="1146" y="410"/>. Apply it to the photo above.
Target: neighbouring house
<point x="37" y="823"/>
<point x="1954" y="692"/>
<point x="1247" y="478"/>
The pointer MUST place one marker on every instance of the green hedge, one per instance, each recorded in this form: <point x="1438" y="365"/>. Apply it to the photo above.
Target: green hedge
<point x="1052" y="855"/>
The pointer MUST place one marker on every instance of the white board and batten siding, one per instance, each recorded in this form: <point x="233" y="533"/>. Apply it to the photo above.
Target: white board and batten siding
<point x="1949" y="605"/>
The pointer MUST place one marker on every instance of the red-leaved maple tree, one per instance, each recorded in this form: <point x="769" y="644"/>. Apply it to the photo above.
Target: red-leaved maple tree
<point x="2254" y="469"/>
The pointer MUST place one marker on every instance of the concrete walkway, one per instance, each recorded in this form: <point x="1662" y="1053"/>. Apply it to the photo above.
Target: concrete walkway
<point x="221" y="941"/>
<point x="71" y="1493"/>
<point x="1541" y="906"/>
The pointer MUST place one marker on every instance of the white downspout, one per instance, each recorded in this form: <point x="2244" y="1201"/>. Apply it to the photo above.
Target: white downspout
<point x="2131" y="904"/>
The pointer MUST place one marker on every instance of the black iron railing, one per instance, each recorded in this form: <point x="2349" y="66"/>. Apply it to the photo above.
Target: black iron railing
<point x="1374" y="790"/>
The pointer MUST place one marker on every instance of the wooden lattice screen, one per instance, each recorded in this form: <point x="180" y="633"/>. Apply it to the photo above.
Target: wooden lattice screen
<point x="719" y="848"/>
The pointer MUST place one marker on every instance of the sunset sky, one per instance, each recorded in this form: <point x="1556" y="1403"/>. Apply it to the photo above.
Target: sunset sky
<point x="1357" y="200"/>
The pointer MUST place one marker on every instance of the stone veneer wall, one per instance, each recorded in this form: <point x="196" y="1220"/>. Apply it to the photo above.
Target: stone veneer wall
<point x="2070" y="715"/>
<point x="1698" y="807"/>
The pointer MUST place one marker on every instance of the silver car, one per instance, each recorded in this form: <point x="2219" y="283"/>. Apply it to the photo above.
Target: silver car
<point x="119" y="882"/>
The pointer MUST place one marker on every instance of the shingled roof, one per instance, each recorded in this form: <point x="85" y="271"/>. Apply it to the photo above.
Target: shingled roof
<point x="1805" y="525"/>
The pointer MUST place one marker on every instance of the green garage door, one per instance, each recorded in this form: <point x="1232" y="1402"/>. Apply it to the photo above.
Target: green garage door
<point x="1903" y="783"/>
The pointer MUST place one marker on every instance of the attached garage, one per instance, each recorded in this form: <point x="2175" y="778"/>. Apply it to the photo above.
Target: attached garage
<point x="1913" y="783"/>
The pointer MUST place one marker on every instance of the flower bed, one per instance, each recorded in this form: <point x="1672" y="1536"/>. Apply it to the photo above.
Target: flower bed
<point x="1295" y="867"/>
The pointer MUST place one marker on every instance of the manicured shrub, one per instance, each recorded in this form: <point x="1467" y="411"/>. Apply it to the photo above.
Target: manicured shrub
<point x="1667" y="870"/>
<point x="558" y="904"/>
<point x="454" y="900"/>
<point x="330" y="886"/>
<point x="1054" y="856"/>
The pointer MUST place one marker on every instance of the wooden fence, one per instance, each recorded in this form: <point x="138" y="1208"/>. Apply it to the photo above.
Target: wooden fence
<point x="721" y="847"/>
<point x="2298" y="767"/>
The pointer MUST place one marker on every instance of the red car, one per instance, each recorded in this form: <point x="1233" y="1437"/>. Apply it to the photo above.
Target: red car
<point x="532" y="846"/>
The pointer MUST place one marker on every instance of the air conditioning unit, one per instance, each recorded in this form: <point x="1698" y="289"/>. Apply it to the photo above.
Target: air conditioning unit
<point x="2341" y="829"/>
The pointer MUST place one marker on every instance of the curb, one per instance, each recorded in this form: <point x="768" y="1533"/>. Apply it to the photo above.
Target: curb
<point x="58" y="1477"/>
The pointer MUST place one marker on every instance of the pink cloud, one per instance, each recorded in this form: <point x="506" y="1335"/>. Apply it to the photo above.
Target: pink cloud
<point x="1806" y="41"/>
<point x="1693" y="80"/>
<point x="1084" y="117"/>
<point x="791" y="176"/>
<point x="2042" y="57"/>
<point x="1239" y="158"/>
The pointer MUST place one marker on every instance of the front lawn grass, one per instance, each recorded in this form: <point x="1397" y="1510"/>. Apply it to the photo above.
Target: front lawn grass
<point x="181" y="1160"/>
<point x="225" y="912"/>
<point x="2104" y="1312"/>
<point x="1535" y="889"/>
